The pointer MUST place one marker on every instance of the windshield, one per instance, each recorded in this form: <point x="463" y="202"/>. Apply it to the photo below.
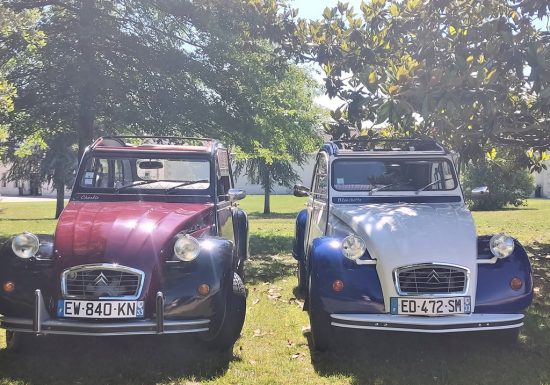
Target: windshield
<point x="133" y="174"/>
<point x="393" y="175"/>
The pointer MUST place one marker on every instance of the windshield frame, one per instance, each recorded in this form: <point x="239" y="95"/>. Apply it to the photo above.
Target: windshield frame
<point x="391" y="191"/>
<point x="78" y="188"/>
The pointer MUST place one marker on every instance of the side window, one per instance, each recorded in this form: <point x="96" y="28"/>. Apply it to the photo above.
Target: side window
<point x="448" y="176"/>
<point x="123" y="173"/>
<point x="101" y="171"/>
<point x="223" y="176"/>
<point x="320" y="180"/>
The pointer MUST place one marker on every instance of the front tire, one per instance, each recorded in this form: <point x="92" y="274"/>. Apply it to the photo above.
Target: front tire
<point x="321" y="329"/>
<point x="302" y="276"/>
<point x="230" y="329"/>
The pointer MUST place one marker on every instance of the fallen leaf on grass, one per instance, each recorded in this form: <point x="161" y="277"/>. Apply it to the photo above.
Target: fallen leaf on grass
<point x="258" y="333"/>
<point x="289" y="343"/>
<point x="297" y="355"/>
<point x="255" y="301"/>
<point x="295" y="301"/>
<point x="273" y="293"/>
<point x="252" y="362"/>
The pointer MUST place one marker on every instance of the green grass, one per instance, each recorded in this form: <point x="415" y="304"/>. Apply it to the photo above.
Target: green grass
<point x="272" y="349"/>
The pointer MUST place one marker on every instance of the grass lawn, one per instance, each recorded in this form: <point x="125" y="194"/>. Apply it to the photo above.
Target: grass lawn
<point x="272" y="349"/>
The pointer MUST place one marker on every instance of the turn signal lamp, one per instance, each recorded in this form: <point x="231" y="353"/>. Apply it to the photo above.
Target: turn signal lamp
<point x="203" y="289"/>
<point x="337" y="286"/>
<point x="516" y="283"/>
<point x="8" y="286"/>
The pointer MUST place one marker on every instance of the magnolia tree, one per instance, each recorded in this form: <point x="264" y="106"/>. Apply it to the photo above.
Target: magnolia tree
<point x="473" y="74"/>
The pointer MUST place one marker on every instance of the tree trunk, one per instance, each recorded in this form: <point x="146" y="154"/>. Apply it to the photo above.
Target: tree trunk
<point x="266" y="184"/>
<point x="60" y="196"/>
<point x="59" y="184"/>
<point x="267" y="205"/>
<point x="88" y="78"/>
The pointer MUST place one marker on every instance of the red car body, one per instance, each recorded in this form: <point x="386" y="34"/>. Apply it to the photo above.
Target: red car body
<point x="118" y="244"/>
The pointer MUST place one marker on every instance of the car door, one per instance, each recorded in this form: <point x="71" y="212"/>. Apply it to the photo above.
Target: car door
<point x="317" y="205"/>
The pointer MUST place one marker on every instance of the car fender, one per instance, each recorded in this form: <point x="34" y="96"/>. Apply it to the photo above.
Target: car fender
<point x="362" y="292"/>
<point x="242" y="231"/>
<point x="298" y="251"/>
<point x="27" y="275"/>
<point x="494" y="293"/>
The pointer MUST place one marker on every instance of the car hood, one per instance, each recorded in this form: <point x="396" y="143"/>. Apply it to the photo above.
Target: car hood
<point x="403" y="234"/>
<point x="128" y="233"/>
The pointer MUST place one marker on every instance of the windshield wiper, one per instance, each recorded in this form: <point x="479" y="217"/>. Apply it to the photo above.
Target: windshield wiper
<point x="134" y="185"/>
<point x="373" y="190"/>
<point x="185" y="184"/>
<point x="431" y="184"/>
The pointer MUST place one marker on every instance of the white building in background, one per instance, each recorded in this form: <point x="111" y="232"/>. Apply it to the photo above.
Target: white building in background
<point x="542" y="181"/>
<point x="21" y="187"/>
<point x="305" y="172"/>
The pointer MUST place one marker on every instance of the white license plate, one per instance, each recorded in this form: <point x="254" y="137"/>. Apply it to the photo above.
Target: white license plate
<point x="99" y="309"/>
<point x="430" y="306"/>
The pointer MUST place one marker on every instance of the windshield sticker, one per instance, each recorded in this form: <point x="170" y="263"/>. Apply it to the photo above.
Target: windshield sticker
<point x="397" y="199"/>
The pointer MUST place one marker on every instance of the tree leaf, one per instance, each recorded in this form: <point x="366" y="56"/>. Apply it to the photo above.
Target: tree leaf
<point x="394" y="10"/>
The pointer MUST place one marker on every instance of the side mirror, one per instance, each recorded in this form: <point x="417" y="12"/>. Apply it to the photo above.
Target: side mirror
<point x="301" y="191"/>
<point x="236" y="194"/>
<point x="480" y="191"/>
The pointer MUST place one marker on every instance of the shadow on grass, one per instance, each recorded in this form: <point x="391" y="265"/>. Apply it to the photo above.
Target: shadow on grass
<point x="413" y="358"/>
<point x="113" y="360"/>
<point x="270" y="244"/>
<point x="268" y="268"/>
<point x="258" y="215"/>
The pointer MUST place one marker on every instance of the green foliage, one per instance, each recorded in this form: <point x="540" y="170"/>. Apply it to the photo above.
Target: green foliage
<point x="285" y="121"/>
<point x="19" y="37"/>
<point x="135" y="67"/>
<point x="472" y="74"/>
<point x="508" y="185"/>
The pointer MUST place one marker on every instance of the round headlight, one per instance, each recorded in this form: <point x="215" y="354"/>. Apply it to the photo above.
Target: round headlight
<point x="25" y="245"/>
<point x="186" y="248"/>
<point x="501" y="245"/>
<point x="353" y="247"/>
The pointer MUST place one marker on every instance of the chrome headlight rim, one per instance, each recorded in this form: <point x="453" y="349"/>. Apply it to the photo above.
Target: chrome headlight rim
<point x="353" y="247"/>
<point x="186" y="247"/>
<point x="501" y="245"/>
<point x="25" y="245"/>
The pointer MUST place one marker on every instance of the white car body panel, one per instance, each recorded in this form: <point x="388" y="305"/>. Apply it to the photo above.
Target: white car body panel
<point x="402" y="234"/>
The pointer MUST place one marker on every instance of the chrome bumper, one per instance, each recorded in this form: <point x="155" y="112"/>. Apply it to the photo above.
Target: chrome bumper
<point x="417" y="324"/>
<point x="43" y="324"/>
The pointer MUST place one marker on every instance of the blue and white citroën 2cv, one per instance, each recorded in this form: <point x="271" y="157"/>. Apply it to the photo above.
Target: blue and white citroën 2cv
<point x="387" y="243"/>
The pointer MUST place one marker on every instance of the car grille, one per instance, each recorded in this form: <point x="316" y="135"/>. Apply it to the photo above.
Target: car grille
<point x="431" y="279"/>
<point x="104" y="281"/>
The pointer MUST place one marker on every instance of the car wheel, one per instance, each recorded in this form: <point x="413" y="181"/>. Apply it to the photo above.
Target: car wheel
<point x="321" y="329"/>
<point x="18" y="342"/>
<point x="230" y="329"/>
<point x="240" y="270"/>
<point x="302" y="276"/>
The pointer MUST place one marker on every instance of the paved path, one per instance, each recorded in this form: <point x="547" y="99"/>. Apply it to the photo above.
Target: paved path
<point x="9" y="199"/>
